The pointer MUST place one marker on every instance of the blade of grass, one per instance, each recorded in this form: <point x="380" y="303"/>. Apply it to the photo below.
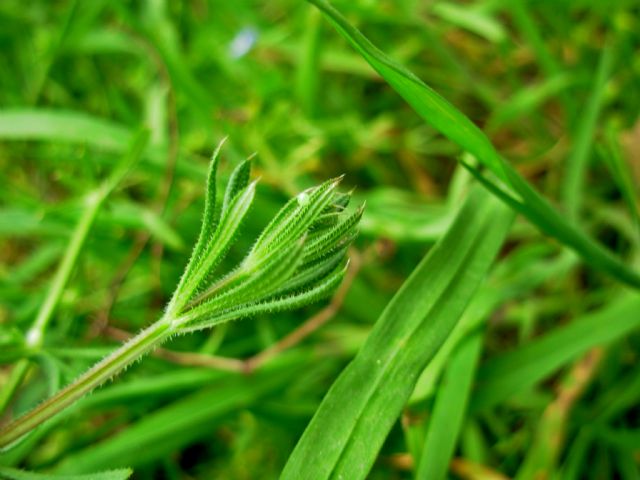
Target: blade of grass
<point x="621" y="396"/>
<point x="453" y="391"/>
<point x="449" y="410"/>
<point x="520" y="369"/>
<point x="575" y="458"/>
<point x="307" y="80"/>
<point x="68" y="126"/>
<point x="621" y="172"/>
<point x="621" y="437"/>
<point x="473" y="443"/>
<point x="528" y="100"/>
<point x="180" y="423"/>
<point x="531" y="30"/>
<point x="133" y="215"/>
<point x="453" y="124"/>
<point x="63" y="126"/>
<point x="574" y="180"/>
<point x="551" y="430"/>
<point x="344" y="436"/>
<point x="488" y="299"/>
<point x="471" y="19"/>
<point x="93" y="202"/>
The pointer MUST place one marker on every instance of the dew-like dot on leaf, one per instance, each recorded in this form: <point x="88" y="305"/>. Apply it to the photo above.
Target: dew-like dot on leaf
<point x="303" y="198"/>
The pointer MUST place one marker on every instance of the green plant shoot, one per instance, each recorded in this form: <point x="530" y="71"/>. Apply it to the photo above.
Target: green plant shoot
<point x="299" y="258"/>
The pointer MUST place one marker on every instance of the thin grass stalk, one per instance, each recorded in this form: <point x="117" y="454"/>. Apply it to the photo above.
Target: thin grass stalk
<point x="93" y="201"/>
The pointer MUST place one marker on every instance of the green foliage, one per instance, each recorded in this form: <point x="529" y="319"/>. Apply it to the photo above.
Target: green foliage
<point x="349" y="427"/>
<point x="292" y="263"/>
<point x="184" y="421"/>
<point x="505" y="182"/>
<point x="515" y="371"/>
<point x="510" y="346"/>
<point x="449" y="410"/>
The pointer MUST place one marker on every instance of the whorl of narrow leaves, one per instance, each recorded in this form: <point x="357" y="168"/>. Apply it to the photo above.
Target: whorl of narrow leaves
<point x="299" y="257"/>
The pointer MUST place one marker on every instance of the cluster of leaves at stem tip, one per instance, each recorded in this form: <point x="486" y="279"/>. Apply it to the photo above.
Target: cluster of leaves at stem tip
<point x="299" y="258"/>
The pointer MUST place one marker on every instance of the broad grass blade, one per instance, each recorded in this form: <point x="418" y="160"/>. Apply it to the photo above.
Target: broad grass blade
<point x="349" y="427"/>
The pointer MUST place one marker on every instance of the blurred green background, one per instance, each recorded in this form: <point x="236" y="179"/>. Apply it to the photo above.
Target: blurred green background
<point x="547" y="80"/>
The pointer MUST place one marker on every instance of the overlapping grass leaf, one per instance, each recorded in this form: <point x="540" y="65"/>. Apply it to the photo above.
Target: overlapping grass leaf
<point x="452" y="123"/>
<point x="351" y="424"/>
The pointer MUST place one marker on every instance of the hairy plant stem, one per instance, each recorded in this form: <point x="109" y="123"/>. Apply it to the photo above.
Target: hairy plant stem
<point x="120" y="359"/>
<point x="285" y="236"/>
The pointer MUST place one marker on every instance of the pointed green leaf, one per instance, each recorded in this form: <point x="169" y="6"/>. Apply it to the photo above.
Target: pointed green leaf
<point x="216" y="248"/>
<point x="295" y="218"/>
<point x="238" y="180"/>
<point x="351" y="424"/>
<point x="319" y="245"/>
<point x="254" y="284"/>
<point x="209" y="219"/>
<point x="322" y="289"/>
<point x="311" y="272"/>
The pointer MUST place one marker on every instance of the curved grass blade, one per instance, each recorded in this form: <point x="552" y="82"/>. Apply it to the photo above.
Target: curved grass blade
<point x="63" y="126"/>
<point x="348" y="429"/>
<point x="183" y="421"/>
<point x="515" y="371"/>
<point x="574" y="178"/>
<point x="449" y="410"/>
<point x="621" y="172"/>
<point x="75" y="127"/>
<point x="456" y="126"/>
